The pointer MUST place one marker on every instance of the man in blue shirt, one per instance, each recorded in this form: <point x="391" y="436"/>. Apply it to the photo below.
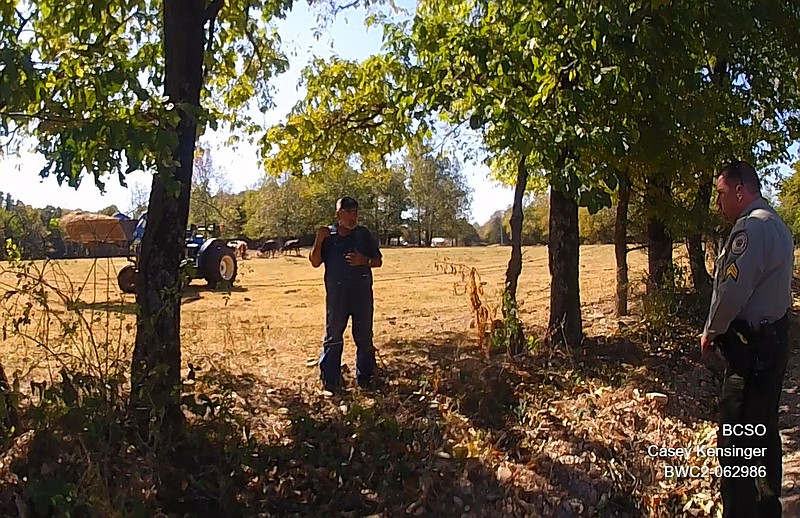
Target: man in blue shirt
<point x="349" y="252"/>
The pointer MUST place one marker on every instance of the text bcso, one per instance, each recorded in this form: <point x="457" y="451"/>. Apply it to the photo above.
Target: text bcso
<point x="744" y="430"/>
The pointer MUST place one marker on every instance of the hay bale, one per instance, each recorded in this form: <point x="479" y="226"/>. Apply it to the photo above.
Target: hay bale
<point x="88" y="228"/>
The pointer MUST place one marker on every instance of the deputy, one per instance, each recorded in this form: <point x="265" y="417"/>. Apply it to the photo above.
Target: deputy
<point x="749" y="324"/>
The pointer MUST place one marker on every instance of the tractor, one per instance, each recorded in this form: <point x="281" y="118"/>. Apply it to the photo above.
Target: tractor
<point x="206" y="256"/>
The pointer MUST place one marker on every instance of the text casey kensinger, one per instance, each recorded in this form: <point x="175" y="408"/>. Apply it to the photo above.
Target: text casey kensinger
<point x="705" y="451"/>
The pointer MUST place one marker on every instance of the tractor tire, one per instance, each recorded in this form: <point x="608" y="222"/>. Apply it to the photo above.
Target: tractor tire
<point x="126" y="279"/>
<point x="219" y="265"/>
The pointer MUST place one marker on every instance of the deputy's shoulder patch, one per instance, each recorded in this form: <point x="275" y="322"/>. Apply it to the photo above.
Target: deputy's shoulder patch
<point x="732" y="271"/>
<point x="739" y="242"/>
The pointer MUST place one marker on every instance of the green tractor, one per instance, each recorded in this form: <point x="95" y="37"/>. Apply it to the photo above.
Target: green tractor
<point x="206" y="256"/>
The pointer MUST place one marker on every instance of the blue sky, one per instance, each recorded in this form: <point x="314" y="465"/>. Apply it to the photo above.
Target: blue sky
<point x="347" y="38"/>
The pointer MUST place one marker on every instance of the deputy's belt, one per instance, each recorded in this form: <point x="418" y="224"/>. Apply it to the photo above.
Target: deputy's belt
<point x="745" y="348"/>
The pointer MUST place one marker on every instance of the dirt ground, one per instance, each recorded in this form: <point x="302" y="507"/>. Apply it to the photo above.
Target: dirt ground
<point x="259" y="344"/>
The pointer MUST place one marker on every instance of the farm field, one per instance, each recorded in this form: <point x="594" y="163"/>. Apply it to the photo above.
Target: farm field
<point x="449" y="432"/>
<point x="272" y="321"/>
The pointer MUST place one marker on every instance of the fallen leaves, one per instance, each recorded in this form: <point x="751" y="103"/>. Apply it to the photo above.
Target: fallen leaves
<point x="504" y="474"/>
<point x="657" y="397"/>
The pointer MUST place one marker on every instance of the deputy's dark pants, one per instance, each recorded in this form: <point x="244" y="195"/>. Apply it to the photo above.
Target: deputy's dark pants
<point x="750" y="395"/>
<point x="345" y="300"/>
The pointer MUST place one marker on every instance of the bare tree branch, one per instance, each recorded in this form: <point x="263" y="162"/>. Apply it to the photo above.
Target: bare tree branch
<point x="41" y="117"/>
<point x="339" y="8"/>
<point x="211" y="16"/>
<point x="23" y="21"/>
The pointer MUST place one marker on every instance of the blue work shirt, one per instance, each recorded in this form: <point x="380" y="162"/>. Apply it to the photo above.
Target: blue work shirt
<point x="334" y="249"/>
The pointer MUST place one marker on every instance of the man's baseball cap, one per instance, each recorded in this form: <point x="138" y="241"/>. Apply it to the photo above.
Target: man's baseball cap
<point x="346" y="203"/>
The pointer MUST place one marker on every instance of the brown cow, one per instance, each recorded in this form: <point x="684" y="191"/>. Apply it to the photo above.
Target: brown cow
<point x="240" y="247"/>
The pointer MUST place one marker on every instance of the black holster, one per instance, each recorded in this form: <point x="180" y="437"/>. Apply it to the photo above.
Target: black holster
<point x="750" y="353"/>
<point x="737" y="345"/>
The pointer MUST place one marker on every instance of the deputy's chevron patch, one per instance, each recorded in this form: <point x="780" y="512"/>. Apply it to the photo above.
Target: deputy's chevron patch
<point x="732" y="271"/>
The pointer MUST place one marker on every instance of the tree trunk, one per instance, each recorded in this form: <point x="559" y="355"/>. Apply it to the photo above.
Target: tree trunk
<point x="659" y="251"/>
<point x="156" y="366"/>
<point x="621" y="244"/>
<point x="694" y="244"/>
<point x="10" y="423"/>
<point x="659" y="254"/>
<point x="515" y="263"/>
<point x="565" y="324"/>
<point x="697" y="261"/>
<point x="516" y="340"/>
<point x="419" y="228"/>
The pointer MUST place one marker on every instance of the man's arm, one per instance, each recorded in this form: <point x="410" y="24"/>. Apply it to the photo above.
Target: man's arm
<point x="371" y="255"/>
<point x="316" y="252"/>
<point x="740" y="274"/>
<point x="374" y="252"/>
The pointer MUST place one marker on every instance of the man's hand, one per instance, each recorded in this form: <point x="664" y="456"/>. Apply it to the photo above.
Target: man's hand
<point x="356" y="259"/>
<point x="706" y="347"/>
<point x="322" y="233"/>
<point x="316" y="252"/>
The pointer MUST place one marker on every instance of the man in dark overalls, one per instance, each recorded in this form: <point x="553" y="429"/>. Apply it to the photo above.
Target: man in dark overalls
<point x="748" y="321"/>
<point x="349" y="252"/>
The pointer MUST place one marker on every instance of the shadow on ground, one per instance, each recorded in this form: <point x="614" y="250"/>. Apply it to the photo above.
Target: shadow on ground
<point x="124" y="308"/>
<point x="196" y="289"/>
<point x="396" y="450"/>
<point x="190" y="294"/>
<point x="448" y="432"/>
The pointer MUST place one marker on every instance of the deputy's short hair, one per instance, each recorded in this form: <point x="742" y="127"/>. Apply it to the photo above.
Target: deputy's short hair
<point x="742" y="173"/>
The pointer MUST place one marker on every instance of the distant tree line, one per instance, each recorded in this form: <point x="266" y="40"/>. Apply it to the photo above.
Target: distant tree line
<point x="420" y="197"/>
<point x="789" y="199"/>
<point x="594" y="228"/>
<point x="423" y="196"/>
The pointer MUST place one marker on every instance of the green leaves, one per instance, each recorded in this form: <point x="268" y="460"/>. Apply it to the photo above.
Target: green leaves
<point x="351" y="108"/>
<point x="85" y="79"/>
<point x="594" y="200"/>
<point x="618" y="84"/>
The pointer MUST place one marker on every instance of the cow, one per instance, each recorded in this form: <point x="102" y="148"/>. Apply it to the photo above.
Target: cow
<point x="298" y="243"/>
<point x="292" y="244"/>
<point x="270" y="248"/>
<point x="240" y="247"/>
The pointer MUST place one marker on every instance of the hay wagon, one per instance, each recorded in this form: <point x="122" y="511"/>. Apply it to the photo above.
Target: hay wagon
<point x="206" y="256"/>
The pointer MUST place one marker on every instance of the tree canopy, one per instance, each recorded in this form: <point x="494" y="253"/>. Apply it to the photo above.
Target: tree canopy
<point x="618" y="84"/>
<point x="86" y="79"/>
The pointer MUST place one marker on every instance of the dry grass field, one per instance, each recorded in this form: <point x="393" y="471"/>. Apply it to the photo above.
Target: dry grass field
<point x="273" y="320"/>
<point x="448" y="433"/>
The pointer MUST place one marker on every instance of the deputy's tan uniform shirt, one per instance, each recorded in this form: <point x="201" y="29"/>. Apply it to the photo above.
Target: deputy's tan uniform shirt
<point x="753" y="273"/>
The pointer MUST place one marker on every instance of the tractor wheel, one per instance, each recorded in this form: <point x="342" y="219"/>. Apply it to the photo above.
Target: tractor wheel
<point x="219" y="265"/>
<point x="126" y="278"/>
